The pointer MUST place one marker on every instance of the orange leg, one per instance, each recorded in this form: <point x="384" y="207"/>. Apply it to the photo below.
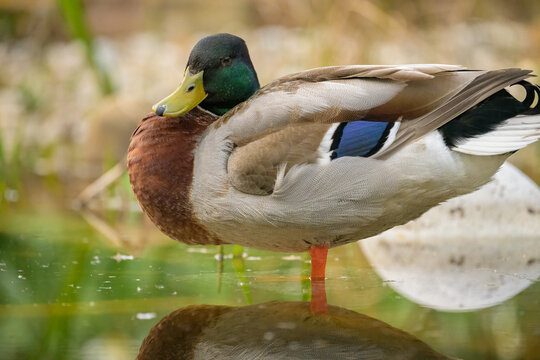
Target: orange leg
<point x="318" y="289"/>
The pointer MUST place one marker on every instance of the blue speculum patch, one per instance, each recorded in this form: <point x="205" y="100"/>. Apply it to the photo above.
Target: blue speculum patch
<point x="359" y="138"/>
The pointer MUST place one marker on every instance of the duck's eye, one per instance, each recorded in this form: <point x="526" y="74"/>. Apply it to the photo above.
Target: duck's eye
<point x="190" y="88"/>
<point x="226" y="61"/>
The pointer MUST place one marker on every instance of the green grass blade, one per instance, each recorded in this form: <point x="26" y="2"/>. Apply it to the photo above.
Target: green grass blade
<point x="73" y="13"/>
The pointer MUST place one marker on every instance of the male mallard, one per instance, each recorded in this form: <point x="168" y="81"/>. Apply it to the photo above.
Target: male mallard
<point x="322" y="157"/>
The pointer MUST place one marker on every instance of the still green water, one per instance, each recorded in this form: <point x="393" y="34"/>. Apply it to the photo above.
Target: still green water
<point x="66" y="293"/>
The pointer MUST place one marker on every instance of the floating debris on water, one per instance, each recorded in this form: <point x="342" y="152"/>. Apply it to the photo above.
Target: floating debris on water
<point x="291" y="257"/>
<point x="120" y="257"/>
<point x="145" y="316"/>
<point x="219" y="257"/>
<point x="198" y="250"/>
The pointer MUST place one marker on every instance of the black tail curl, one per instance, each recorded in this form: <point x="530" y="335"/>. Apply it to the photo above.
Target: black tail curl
<point x="488" y="114"/>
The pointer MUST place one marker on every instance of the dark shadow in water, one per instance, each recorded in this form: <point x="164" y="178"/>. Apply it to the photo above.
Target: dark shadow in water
<point x="278" y="330"/>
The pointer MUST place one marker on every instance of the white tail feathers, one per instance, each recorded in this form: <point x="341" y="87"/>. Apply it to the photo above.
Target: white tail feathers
<point x="511" y="135"/>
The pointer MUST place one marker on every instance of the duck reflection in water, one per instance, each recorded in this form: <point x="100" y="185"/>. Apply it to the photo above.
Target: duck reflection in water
<point x="278" y="330"/>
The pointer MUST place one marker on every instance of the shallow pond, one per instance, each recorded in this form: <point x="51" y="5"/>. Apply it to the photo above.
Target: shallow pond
<point x="66" y="293"/>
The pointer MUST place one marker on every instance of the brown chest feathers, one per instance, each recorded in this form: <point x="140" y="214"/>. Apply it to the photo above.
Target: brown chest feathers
<point x="160" y="166"/>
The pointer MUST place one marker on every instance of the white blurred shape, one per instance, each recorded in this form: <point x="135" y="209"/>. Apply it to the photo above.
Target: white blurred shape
<point x="468" y="253"/>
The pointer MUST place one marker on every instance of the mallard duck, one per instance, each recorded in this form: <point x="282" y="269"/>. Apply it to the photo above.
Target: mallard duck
<point x="322" y="157"/>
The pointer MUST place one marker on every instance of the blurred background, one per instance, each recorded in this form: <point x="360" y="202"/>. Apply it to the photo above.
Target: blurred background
<point x="76" y="76"/>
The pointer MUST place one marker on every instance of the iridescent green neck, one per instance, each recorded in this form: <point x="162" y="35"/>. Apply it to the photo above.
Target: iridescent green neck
<point x="228" y="87"/>
<point x="229" y="76"/>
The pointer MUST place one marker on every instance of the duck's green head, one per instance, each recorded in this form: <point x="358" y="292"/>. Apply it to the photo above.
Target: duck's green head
<point x="219" y="75"/>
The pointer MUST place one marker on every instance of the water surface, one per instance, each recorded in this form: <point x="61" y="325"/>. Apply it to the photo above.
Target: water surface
<point x="67" y="293"/>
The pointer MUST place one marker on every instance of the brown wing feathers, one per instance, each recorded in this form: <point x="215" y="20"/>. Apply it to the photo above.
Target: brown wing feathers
<point x="426" y="97"/>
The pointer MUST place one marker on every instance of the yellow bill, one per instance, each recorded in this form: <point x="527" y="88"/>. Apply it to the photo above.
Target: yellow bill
<point x="188" y="95"/>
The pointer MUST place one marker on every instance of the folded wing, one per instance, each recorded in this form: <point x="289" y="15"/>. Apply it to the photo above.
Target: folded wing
<point x="372" y="110"/>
